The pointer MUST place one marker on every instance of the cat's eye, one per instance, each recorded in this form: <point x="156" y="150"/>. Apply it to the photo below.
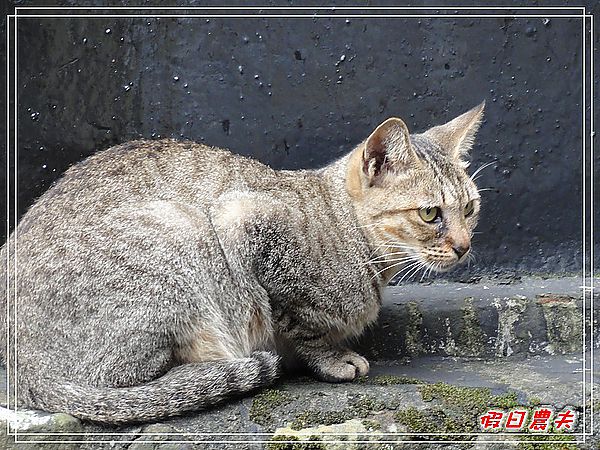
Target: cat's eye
<point x="469" y="208"/>
<point x="429" y="214"/>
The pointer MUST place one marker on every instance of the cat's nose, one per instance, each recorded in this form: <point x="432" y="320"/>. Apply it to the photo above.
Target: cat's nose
<point x="460" y="250"/>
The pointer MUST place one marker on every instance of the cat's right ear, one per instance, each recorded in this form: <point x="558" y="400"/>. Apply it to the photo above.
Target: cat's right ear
<point x="388" y="148"/>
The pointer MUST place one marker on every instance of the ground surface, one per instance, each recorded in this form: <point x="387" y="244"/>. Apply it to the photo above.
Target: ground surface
<point x="442" y="354"/>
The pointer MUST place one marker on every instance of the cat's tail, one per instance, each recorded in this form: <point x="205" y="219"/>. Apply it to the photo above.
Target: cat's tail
<point x="184" y="388"/>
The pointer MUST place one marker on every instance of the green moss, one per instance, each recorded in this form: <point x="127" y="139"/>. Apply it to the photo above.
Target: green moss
<point x="464" y="397"/>
<point x="279" y="443"/>
<point x="275" y="443"/>
<point x="534" y="401"/>
<point x="363" y="406"/>
<point x="360" y="407"/>
<point x="417" y="421"/>
<point x="413" y="338"/>
<point x="526" y="445"/>
<point x="459" y="411"/>
<point x="388" y="380"/>
<point x="371" y="425"/>
<point x="436" y="420"/>
<point x="504" y="401"/>
<point x="264" y="404"/>
<point x="471" y="338"/>
<point x="310" y="418"/>
<point x="468" y="398"/>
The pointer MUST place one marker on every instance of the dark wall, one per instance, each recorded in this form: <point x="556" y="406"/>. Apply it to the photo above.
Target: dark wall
<point x="297" y="93"/>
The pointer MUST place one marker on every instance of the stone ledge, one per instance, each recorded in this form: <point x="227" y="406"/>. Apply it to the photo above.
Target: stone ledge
<point x="530" y="316"/>
<point x="427" y="394"/>
<point x="533" y="321"/>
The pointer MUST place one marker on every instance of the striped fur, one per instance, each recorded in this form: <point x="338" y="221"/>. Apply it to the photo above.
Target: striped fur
<point x="160" y="277"/>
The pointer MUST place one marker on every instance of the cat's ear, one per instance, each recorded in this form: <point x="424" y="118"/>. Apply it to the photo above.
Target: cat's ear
<point x="387" y="148"/>
<point x="457" y="136"/>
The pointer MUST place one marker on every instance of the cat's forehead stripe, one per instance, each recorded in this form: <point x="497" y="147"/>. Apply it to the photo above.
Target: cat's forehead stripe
<point x="451" y="187"/>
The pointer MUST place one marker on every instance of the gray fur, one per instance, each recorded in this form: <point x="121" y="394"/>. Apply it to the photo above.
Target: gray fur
<point x="160" y="277"/>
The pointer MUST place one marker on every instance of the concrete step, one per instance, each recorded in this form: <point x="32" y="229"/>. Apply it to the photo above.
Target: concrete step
<point x="493" y="317"/>
<point x="398" y="402"/>
<point x="441" y="353"/>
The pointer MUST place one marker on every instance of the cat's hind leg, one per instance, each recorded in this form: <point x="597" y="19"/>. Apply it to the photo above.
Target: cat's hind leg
<point x="124" y="355"/>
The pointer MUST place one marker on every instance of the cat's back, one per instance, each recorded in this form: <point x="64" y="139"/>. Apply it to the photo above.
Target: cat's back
<point x="162" y="168"/>
<point x="141" y="171"/>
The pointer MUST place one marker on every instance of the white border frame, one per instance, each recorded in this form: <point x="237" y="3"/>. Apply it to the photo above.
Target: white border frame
<point x="257" y="12"/>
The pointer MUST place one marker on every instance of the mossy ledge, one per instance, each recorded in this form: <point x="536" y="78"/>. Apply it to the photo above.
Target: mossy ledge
<point x="286" y="442"/>
<point x="387" y="380"/>
<point x="458" y="413"/>
<point x="264" y="404"/>
<point x="359" y="408"/>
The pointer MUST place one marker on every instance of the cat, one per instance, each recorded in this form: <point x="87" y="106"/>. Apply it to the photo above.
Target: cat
<point x="161" y="277"/>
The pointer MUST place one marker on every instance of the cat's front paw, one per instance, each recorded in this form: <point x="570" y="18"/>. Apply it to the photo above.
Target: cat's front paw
<point x="346" y="368"/>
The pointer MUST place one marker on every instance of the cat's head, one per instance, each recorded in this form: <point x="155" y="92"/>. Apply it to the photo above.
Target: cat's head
<point x="413" y="197"/>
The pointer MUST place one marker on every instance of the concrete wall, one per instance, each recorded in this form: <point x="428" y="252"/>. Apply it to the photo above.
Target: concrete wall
<point x="297" y="93"/>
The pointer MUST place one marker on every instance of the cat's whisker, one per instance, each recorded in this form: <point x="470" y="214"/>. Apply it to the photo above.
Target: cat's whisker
<point x="430" y="268"/>
<point x="386" y="260"/>
<point x="394" y="246"/>
<point x="406" y="247"/>
<point x="426" y="272"/>
<point x="378" y="261"/>
<point x="433" y="269"/>
<point x="484" y="166"/>
<point x="401" y="252"/>
<point x="427" y="267"/>
<point x="486" y="189"/>
<point x="472" y="257"/>
<point x="389" y="267"/>
<point x="407" y="267"/>
<point x="384" y="244"/>
<point x="411" y="272"/>
<point x="392" y="253"/>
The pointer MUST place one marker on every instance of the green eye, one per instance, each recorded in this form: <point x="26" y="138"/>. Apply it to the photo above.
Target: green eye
<point x="429" y="214"/>
<point x="469" y="208"/>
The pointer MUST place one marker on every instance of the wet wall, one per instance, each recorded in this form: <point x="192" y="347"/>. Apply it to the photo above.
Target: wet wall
<point x="298" y="93"/>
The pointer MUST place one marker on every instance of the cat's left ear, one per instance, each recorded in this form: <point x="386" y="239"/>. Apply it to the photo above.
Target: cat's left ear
<point x="387" y="148"/>
<point x="457" y="136"/>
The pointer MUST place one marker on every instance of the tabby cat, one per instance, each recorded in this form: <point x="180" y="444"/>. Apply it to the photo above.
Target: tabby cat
<point x="160" y="277"/>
